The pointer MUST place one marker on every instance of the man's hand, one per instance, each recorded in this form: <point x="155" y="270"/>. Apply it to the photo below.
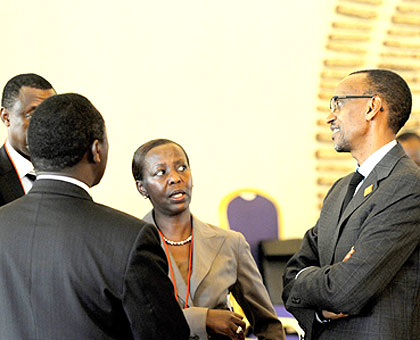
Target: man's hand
<point x="330" y="315"/>
<point x="333" y="316"/>
<point x="349" y="254"/>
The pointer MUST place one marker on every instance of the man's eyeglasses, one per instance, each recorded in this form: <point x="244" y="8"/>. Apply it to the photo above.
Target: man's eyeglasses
<point x="334" y="101"/>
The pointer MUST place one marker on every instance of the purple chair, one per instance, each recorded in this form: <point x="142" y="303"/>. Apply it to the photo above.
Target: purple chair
<point x="257" y="216"/>
<point x="254" y="214"/>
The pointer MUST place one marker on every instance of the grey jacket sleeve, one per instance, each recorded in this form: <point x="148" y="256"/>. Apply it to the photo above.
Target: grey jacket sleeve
<point x="253" y="297"/>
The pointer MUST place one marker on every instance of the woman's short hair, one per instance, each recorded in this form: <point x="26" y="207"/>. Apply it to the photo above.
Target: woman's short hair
<point x="139" y="156"/>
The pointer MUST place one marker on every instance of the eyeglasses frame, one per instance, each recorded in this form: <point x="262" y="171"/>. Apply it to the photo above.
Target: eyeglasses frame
<point x="335" y="98"/>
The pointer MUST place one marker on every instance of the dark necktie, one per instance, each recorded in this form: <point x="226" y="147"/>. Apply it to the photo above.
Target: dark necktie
<point x="354" y="182"/>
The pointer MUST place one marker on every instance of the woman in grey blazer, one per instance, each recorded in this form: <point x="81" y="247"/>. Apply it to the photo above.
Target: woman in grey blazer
<point x="206" y="263"/>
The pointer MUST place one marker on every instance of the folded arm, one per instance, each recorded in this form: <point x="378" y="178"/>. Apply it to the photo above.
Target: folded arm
<point x="384" y="244"/>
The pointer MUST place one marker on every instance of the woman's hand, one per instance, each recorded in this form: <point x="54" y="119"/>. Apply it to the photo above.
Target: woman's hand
<point x="225" y="322"/>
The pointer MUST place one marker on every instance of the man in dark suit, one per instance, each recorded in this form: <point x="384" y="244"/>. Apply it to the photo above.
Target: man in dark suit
<point x="21" y="95"/>
<point x="72" y="268"/>
<point x="356" y="275"/>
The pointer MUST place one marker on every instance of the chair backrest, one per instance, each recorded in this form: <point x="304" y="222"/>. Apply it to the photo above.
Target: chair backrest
<point x="253" y="213"/>
<point x="274" y="255"/>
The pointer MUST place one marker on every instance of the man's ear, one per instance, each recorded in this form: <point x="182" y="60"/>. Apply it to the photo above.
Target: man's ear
<point x="375" y="106"/>
<point x="142" y="190"/>
<point x="95" y="152"/>
<point x="4" y="114"/>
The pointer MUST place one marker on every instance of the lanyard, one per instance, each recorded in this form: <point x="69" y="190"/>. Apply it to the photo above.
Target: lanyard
<point x="172" y="272"/>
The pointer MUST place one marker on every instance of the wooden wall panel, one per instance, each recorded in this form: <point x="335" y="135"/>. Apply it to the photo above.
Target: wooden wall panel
<point x="364" y="34"/>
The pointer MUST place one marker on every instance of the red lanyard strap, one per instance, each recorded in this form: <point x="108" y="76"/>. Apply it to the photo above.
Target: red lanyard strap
<point x="172" y="272"/>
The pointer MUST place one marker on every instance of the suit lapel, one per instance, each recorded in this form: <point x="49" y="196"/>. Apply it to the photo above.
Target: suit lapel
<point x="334" y="219"/>
<point x="367" y="190"/>
<point x="207" y="244"/>
<point x="181" y="287"/>
<point x="180" y="283"/>
<point x="369" y="186"/>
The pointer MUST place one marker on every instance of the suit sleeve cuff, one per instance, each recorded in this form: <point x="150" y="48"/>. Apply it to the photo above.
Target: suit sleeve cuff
<point x="320" y="318"/>
<point x="301" y="271"/>
<point x="196" y="318"/>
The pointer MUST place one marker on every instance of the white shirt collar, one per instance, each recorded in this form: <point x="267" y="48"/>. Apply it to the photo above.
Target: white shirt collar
<point x="366" y="168"/>
<point x="22" y="165"/>
<point x="67" y="179"/>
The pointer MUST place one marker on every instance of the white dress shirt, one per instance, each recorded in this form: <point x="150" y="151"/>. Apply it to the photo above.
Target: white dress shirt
<point x="67" y="179"/>
<point x="366" y="168"/>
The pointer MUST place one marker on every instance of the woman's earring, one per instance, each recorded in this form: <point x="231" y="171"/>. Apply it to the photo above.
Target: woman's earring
<point x="145" y="196"/>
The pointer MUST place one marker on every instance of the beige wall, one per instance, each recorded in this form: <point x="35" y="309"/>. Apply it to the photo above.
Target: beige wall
<point x="233" y="81"/>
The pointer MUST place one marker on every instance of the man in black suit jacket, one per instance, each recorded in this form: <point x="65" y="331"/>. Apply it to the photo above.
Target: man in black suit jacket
<point x="21" y="95"/>
<point x="72" y="268"/>
<point x="356" y="275"/>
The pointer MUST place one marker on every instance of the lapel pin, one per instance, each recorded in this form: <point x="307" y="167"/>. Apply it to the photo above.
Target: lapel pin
<point x="368" y="190"/>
